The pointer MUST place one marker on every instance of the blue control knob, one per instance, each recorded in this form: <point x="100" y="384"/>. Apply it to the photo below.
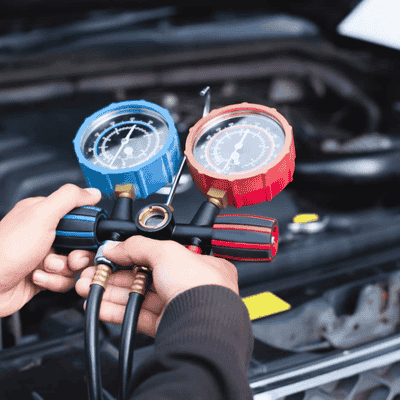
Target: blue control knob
<point x="129" y="142"/>
<point x="77" y="229"/>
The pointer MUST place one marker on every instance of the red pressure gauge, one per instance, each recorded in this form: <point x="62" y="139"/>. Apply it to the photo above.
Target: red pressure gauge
<point x="245" y="149"/>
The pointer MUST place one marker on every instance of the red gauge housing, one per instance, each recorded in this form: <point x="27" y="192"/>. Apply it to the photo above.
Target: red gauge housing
<point x="248" y="188"/>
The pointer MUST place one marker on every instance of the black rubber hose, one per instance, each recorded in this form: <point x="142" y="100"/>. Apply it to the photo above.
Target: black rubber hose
<point x="128" y="332"/>
<point x="92" y="351"/>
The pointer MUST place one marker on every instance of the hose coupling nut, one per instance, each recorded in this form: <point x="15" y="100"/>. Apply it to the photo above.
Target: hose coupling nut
<point x="100" y="258"/>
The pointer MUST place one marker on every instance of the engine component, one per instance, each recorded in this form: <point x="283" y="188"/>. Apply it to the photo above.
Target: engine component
<point x="315" y="325"/>
<point x="309" y="225"/>
<point x="370" y="142"/>
<point x="324" y="370"/>
<point x="358" y="169"/>
<point x="377" y="384"/>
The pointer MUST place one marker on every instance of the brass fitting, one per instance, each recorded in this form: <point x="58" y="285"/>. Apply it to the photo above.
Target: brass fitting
<point x="218" y="197"/>
<point x="101" y="275"/>
<point x="125" y="190"/>
<point x="139" y="284"/>
<point x="148" y="212"/>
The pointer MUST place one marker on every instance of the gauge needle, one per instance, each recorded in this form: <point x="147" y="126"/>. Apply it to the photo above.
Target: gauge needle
<point x="123" y="143"/>
<point x="235" y="154"/>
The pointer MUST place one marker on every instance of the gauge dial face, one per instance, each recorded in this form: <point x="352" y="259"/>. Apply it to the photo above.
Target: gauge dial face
<point x="124" y="138"/>
<point x="239" y="142"/>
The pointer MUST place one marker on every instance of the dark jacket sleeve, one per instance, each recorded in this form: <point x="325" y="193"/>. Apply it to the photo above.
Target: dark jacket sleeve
<point x="202" y="350"/>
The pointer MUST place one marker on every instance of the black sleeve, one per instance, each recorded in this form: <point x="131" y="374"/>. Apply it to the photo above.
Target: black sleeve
<point x="202" y="350"/>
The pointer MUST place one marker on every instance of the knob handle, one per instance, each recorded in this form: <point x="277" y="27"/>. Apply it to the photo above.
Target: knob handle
<point x="245" y="237"/>
<point x="77" y="230"/>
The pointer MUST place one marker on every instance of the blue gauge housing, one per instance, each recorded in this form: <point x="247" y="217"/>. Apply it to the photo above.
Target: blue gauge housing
<point x="147" y="177"/>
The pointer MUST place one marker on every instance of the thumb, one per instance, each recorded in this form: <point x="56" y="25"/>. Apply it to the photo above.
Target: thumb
<point x="137" y="249"/>
<point x="65" y="199"/>
<point x="94" y="192"/>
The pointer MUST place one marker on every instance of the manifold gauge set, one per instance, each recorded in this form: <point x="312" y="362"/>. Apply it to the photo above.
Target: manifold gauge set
<point x="238" y="155"/>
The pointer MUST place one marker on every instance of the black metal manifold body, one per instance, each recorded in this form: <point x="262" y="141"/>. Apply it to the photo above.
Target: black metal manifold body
<point x="242" y="236"/>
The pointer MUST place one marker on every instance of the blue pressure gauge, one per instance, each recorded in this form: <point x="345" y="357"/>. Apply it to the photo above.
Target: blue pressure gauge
<point x="129" y="142"/>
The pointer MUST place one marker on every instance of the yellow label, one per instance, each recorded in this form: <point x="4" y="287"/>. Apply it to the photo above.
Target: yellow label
<point x="263" y="304"/>
<point x="304" y="218"/>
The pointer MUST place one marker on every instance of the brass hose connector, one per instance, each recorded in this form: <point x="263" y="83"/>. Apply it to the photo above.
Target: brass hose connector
<point x="101" y="275"/>
<point x="125" y="190"/>
<point x="142" y="275"/>
<point x="218" y="197"/>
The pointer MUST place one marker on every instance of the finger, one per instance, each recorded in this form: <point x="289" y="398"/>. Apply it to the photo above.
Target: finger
<point x="114" y="294"/>
<point x="121" y="278"/>
<point x="65" y="199"/>
<point x="57" y="264"/>
<point x="28" y="201"/>
<point x="25" y="203"/>
<point x="135" y="250"/>
<point x="141" y="250"/>
<point x="80" y="259"/>
<point x="119" y="295"/>
<point x="55" y="283"/>
<point x="114" y="313"/>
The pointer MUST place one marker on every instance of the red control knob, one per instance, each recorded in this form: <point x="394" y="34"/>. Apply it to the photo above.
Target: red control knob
<point x="245" y="237"/>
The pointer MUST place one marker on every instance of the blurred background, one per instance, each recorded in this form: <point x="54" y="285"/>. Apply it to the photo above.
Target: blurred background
<point x="62" y="61"/>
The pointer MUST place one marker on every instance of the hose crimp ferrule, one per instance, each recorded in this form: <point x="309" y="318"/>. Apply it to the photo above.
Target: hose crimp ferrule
<point x="100" y="258"/>
<point x="142" y="279"/>
<point x="101" y="275"/>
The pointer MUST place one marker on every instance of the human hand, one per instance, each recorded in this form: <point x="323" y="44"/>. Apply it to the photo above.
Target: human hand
<point x="174" y="270"/>
<point x="27" y="233"/>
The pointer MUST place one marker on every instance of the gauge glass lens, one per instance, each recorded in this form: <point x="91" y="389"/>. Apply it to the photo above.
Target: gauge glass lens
<point x="239" y="142"/>
<point x="124" y="138"/>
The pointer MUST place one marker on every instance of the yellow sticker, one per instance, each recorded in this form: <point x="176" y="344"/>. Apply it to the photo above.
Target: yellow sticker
<point x="263" y="304"/>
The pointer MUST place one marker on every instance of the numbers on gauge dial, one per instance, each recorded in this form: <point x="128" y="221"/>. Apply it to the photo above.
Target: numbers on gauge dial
<point x="126" y="141"/>
<point x="236" y="148"/>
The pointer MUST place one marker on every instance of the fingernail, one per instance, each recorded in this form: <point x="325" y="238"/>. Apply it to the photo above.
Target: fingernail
<point x="93" y="191"/>
<point x="84" y="304"/>
<point x="110" y="245"/>
<point x="40" y="277"/>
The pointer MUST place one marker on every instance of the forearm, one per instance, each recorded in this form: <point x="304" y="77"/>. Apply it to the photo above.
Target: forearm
<point x="202" y="350"/>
